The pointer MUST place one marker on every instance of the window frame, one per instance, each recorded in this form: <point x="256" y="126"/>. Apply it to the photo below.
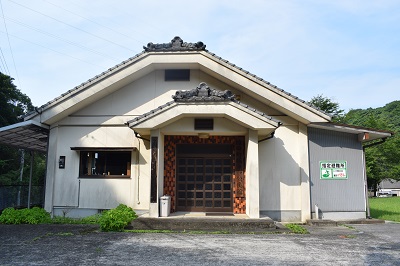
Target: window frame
<point x="104" y="154"/>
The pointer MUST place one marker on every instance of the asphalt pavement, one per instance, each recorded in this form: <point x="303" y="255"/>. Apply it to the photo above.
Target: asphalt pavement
<point x="374" y="244"/>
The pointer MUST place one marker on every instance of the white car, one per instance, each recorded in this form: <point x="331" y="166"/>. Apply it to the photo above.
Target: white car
<point x="385" y="193"/>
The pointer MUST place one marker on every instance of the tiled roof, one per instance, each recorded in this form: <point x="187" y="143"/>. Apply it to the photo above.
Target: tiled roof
<point x="168" y="47"/>
<point x="194" y="96"/>
<point x="152" y="112"/>
<point x="332" y="124"/>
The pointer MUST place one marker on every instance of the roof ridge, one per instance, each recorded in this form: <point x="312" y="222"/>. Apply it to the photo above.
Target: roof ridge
<point x="176" y="45"/>
<point x="192" y="96"/>
<point x="279" y="90"/>
<point x="89" y="81"/>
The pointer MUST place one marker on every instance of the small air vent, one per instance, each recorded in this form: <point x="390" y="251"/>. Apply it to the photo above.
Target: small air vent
<point x="204" y="124"/>
<point x="177" y="75"/>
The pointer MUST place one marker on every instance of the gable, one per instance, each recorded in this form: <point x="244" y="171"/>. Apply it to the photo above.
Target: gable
<point x="145" y="94"/>
<point x="185" y="57"/>
<point x="204" y="102"/>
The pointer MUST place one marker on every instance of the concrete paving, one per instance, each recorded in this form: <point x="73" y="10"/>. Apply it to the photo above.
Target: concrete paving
<point x="370" y="244"/>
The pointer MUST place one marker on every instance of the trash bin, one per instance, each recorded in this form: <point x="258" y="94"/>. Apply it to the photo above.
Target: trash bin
<point x="165" y="203"/>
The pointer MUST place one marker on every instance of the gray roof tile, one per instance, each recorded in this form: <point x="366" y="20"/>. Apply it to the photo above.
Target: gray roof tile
<point x="186" y="46"/>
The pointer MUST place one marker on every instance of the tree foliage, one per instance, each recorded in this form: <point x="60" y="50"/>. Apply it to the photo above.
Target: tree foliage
<point x="13" y="105"/>
<point x="13" y="102"/>
<point x="383" y="160"/>
<point x="329" y="107"/>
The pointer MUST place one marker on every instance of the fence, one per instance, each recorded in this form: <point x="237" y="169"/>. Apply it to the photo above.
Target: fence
<point x="17" y="196"/>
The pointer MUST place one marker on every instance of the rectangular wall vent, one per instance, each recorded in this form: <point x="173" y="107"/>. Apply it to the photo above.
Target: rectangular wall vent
<point x="177" y="75"/>
<point x="203" y="124"/>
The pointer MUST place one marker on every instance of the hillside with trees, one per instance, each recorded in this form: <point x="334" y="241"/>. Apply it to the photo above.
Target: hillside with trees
<point x="382" y="161"/>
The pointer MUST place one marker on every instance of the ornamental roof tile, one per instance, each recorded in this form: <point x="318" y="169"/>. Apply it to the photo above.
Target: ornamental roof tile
<point x="192" y="96"/>
<point x="176" y="45"/>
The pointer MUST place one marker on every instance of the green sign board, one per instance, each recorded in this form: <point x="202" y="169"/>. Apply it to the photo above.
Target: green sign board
<point x="333" y="169"/>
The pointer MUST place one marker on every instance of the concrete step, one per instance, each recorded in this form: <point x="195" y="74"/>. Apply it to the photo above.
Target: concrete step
<point x="204" y="224"/>
<point x="322" y="222"/>
<point x="362" y="221"/>
<point x="326" y="222"/>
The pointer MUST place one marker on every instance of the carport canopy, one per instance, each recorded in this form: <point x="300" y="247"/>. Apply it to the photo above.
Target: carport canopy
<point x="29" y="135"/>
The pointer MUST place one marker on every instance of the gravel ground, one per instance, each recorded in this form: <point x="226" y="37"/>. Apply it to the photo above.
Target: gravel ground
<point x="376" y="244"/>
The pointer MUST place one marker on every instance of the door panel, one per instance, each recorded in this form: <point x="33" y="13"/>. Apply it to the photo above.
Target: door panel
<point x="204" y="182"/>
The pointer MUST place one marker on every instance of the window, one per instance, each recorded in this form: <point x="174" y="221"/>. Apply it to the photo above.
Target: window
<point x="177" y="75"/>
<point x="105" y="164"/>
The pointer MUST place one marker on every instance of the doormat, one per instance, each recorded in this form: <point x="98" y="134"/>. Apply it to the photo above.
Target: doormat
<point x="219" y="214"/>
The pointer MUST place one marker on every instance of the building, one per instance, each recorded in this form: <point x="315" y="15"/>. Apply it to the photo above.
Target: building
<point x="178" y="120"/>
<point x="389" y="188"/>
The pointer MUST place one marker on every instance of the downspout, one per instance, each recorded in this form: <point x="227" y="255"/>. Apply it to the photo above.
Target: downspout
<point x="271" y="135"/>
<point x="267" y="138"/>
<point x="366" y="186"/>
<point x="138" y="173"/>
<point x="137" y="135"/>
<point x="365" y="174"/>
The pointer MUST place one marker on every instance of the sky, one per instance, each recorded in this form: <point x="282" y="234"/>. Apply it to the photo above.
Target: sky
<point x="345" y="50"/>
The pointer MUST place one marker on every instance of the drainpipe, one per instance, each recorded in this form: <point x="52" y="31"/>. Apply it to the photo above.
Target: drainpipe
<point x="267" y="138"/>
<point x="137" y="135"/>
<point x="138" y="173"/>
<point x="365" y="174"/>
<point x="271" y="135"/>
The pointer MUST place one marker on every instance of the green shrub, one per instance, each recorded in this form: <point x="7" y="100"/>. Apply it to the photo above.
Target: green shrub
<point x="116" y="219"/>
<point x="296" y="229"/>
<point x="35" y="215"/>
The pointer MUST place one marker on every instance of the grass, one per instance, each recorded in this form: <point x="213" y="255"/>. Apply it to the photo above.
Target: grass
<point x="296" y="229"/>
<point x="94" y="219"/>
<point x="51" y="234"/>
<point x="140" y="231"/>
<point x="385" y="208"/>
<point x="348" y="226"/>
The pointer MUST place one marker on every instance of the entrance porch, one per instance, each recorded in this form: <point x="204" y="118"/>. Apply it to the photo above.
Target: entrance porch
<point x="205" y="175"/>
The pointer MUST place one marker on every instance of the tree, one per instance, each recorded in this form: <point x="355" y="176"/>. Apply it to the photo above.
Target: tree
<point x="383" y="160"/>
<point x="13" y="105"/>
<point x="328" y="106"/>
<point x="13" y="102"/>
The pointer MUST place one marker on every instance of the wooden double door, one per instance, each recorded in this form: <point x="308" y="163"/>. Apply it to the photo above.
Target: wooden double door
<point x="204" y="177"/>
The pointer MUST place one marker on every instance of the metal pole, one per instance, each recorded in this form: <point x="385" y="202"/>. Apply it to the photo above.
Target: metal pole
<point x="30" y="181"/>
<point x="21" y="173"/>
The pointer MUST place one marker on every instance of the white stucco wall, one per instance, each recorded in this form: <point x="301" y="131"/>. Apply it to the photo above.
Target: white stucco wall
<point x="280" y="175"/>
<point x="102" y="124"/>
<point x="69" y="190"/>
